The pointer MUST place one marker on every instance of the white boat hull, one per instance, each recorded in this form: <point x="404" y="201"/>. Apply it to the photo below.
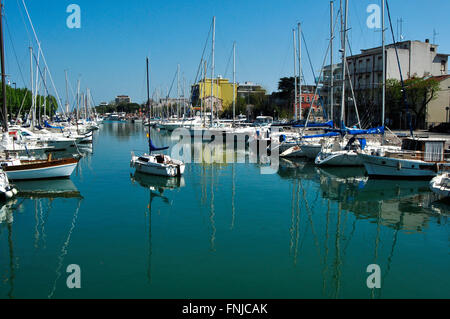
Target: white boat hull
<point x="61" y="145"/>
<point x="340" y="158"/>
<point x="311" y="150"/>
<point x="294" y="151"/>
<point x="168" y="170"/>
<point x="386" y="167"/>
<point x="59" y="171"/>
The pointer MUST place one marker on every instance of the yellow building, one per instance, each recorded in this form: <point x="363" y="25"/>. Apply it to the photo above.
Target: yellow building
<point x="222" y="93"/>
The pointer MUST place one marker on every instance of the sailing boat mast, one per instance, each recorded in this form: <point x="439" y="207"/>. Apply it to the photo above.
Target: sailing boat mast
<point x="178" y="91"/>
<point x="331" y="63"/>
<point x="204" y="94"/>
<point x="295" y="75"/>
<point x="4" y="109"/>
<point x="212" y="69"/>
<point x="78" y="104"/>
<point x="383" y="95"/>
<point x="184" y="97"/>
<point x="148" y="108"/>
<point x="234" y="82"/>
<point x="344" y="58"/>
<point x="45" y="92"/>
<point x="299" y="70"/>
<point x="32" y="88"/>
<point x="67" y="93"/>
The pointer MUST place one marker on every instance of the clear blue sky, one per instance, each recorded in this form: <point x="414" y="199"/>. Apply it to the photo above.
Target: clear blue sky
<point x="108" y="51"/>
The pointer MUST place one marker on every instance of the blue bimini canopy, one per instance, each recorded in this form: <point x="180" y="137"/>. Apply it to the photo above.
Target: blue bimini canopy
<point x="46" y="124"/>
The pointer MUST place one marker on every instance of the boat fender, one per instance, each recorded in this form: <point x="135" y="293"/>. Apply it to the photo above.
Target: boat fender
<point x="282" y="138"/>
<point x="399" y="165"/>
<point x="9" y="194"/>
<point x="14" y="191"/>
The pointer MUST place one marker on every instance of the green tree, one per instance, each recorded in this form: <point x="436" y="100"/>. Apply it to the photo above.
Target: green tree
<point x="15" y="98"/>
<point x="419" y="93"/>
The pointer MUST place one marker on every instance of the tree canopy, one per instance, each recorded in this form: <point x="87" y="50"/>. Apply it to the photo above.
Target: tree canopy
<point x="15" y="98"/>
<point x="419" y="93"/>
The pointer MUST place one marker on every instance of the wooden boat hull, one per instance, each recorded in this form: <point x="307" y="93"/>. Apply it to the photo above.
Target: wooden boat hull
<point x="30" y="170"/>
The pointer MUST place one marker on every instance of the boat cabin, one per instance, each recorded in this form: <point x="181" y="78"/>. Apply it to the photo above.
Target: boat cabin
<point x="428" y="150"/>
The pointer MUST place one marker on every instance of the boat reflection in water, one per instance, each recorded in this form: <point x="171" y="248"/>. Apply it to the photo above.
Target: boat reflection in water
<point x="157" y="185"/>
<point x="330" y="206"/>
<point x="398" y="203"/>
<point x="48" y="189"/>
<point x="43" y="197"/>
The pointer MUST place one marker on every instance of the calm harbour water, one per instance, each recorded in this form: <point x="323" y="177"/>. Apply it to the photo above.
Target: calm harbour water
<point x="222" y="231"/>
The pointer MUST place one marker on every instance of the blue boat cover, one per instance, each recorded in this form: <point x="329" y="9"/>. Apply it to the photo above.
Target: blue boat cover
<point x="329" y="134"/>
<point x="313" y="124"/>
<point x="46" y="124"/>
<point x="154" y="148"/>
<point x="350" y="131"/>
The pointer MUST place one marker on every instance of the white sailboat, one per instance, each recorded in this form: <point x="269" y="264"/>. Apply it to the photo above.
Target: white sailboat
<point x="156" y="164"/>
<point x="341" y="151"/>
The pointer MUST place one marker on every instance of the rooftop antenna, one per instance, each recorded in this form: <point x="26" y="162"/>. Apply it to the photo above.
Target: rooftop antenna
<point x="434" y="36"/>
<point x="400" y="29"/>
